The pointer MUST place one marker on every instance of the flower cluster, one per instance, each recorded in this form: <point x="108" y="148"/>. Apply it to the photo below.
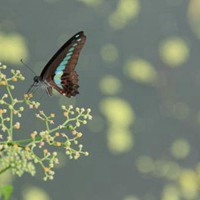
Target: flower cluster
<point x="41" y="147"/>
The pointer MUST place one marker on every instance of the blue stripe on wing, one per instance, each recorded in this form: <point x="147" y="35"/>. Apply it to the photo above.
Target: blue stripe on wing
<point x="62" y="65"/>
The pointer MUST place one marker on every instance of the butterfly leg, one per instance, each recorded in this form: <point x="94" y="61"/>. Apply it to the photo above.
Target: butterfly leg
<point x="49" y="90"/>
<point x="30" y="89"/>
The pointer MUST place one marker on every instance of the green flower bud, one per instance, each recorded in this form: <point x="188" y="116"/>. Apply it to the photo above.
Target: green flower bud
<point x="12" y="87"/>
<point x="21" y="108"/>
<point x="87" y="153"/>
<point x="70" y="127"/>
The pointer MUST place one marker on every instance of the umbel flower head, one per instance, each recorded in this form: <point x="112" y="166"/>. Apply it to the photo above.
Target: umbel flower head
<point x="35" y="151"/>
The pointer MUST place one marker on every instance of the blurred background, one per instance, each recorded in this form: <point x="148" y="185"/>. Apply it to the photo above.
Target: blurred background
<point x="139" y="73"/>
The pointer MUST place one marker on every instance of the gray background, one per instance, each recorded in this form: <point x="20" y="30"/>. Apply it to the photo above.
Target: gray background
<point x="106" y="174"/>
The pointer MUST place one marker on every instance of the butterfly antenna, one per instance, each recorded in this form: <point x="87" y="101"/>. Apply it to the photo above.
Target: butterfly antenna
<point x="27" y="66"/>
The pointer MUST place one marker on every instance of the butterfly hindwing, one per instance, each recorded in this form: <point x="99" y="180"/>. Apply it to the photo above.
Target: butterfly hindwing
<point x="59" y="72"/>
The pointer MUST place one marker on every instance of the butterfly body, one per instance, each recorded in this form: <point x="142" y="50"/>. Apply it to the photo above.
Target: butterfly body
<point x="59" y="73"/>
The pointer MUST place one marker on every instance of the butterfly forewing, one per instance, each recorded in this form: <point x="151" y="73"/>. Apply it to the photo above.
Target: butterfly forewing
<point x="59" y="72"/>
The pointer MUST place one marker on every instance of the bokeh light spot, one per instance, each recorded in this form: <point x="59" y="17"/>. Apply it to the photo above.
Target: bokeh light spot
<point x="145" y="164"/>
<point x="174" y="51"/>
<point x="194" y="16"/>
<point x="167" y="169"/>
<point x="140" y="71"/>
<point x="189" y="184"/>
<point x="109" y="53"/>
<point x="117" y="111"/>
<point x="126" y="11"/>
<point x="180" y="148"/>
<point x="110" y="85"/>
<point x="35" y="193"/>
<point x="120" y="140"/>
<point x="13" y="48"/>
<point x="120" y="116"/>
<point x="170" y="192"/>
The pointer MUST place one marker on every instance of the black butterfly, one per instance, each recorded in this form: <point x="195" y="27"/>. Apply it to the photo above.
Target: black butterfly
<point x="59" y="73"/>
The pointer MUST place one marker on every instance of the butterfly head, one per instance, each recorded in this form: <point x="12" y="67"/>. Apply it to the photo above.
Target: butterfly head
<point x="37" y="80"/>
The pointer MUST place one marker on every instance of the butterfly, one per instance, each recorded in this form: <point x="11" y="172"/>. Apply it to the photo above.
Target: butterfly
<point x="59" y="73"/>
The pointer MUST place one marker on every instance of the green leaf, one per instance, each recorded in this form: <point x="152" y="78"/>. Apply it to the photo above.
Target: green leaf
<point x="6" y="191"/>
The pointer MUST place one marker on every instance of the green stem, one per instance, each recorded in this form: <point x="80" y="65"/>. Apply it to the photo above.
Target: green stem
<point x="37" y="138"/>
<point x="5" y="169"/>
<point x="11" y="113"/>
<point x="57" y="128"/>
<point x="47" y="124"/>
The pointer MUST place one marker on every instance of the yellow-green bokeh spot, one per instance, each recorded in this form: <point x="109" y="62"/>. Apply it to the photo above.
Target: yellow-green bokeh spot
<point x="145" y="164"/>
<point x="171" y="192"/>
<point x="12" y="48"/>
<point x="194" y="16"/>
<point x="168" y="169"/>
<point x="117" y="111"/>
<point x="109" y="53"/>
<point x="120" y="140"/>
<point x="180" y="148"/>
<point x="110" y="85"/>
<point x="35" y="193"/>
<point x="189" y="184"/>
<point x="120" y="116"/>
<point x="127" y="11"/>
<point x="141" y="71"/>
<point x="174" y="51"/>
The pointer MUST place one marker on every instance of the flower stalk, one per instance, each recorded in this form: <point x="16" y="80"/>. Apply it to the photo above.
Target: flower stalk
<point x="34" y="151"/>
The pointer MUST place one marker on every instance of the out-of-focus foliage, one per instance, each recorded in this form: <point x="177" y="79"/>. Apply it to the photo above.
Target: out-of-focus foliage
<point x="180" y="148"/>
<point x="120" y="117"/>
<point x="194" y="16"/>
<point x="170" y="192"/>
<point x="109" y="53"/>
<point x="35" y="193"/>
<point x="141" y="71"/>
<point x="126" y="11"/>
<point x="174" y="51"/>
<point x="6" y="192"/>
<point x="183" y="182"/>
<point x="118" y="111"/>
<point x="110" y="85"/>
<point x="12" y="48"/>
